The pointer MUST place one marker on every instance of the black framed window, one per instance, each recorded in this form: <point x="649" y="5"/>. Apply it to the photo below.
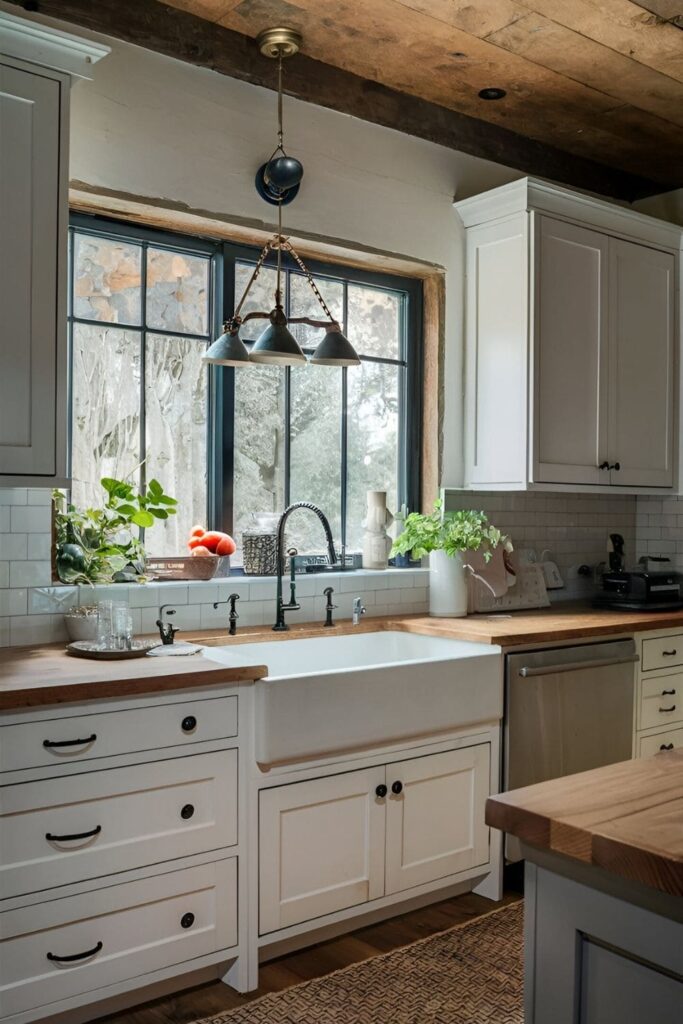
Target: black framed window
<point x="145" y="304"/>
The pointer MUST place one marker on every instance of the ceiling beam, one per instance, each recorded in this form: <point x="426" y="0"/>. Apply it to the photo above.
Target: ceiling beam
<point x="185" y="37"/>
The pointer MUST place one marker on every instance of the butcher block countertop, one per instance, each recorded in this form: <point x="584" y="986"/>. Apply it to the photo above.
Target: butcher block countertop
<point x="36" y="676"/>
<point x="625" y="818"/>
<point x="570" y="621"/>
<point x="32" y="676"/>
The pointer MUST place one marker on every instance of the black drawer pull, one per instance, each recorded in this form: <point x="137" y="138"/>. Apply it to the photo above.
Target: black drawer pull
<point x="187" y="920"/>
<point x="669" y="654"/>
<point x="668" y="693"/>
<point x="664" y="710"/>
<point x="75" y="956"/>
<point x="188" y="723"/>
<point x="667" y="746"/>
<point x="381" y="790"/>
<point x="397" y="787"/>
<point x="77" y="835"/>
<point x="187" y="812"/>
<point x="50" y="744"/>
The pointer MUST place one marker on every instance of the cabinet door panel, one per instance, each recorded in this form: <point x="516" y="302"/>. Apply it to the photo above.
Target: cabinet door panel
<point x="641" y="365"/>
<point x="321" y="847"/>
<point x="435" y="825"/>
<point x="570" y="341"/>
<point x="32" y="200"/>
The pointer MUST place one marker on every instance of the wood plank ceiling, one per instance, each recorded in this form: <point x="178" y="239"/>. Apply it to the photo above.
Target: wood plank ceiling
<point x="599" y="79"/>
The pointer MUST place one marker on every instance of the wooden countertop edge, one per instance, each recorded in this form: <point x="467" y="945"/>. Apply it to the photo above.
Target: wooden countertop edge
<point x="136" y="686"/>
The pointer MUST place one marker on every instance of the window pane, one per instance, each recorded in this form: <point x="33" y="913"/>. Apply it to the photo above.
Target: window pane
<point x="106" y="280"/>
<point x="106" y="408"/>
<point x="302" y="302"/>
<point x="315" y="453"/>
<point x="176" y="410"/>
<point x="259" y="482"/>
<point x="373" y="441"/>
<point x="177" y="291"/>
<point x="261" y="296"/>
<point x="374" y="321"/>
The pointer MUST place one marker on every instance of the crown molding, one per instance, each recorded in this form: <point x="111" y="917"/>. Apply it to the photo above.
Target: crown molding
<point x="32" y="41"/>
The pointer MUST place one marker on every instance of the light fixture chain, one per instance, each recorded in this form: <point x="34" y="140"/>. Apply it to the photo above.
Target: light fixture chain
<point x="257" y="270"/>
<point x="309" y="277"/>
<point x="280" y="129"/>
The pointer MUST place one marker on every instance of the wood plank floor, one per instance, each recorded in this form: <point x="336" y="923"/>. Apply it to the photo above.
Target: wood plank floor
<point x="205" y="1000"/>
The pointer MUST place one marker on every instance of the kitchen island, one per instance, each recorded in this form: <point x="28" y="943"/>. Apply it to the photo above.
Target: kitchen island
<point x="604" y="892"/>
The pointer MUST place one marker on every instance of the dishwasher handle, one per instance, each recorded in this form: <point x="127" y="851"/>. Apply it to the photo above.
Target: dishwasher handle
<point x="575" y="666"/>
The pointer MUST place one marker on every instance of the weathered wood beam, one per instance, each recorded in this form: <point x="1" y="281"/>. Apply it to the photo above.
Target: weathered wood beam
<point x="185" y="37"/>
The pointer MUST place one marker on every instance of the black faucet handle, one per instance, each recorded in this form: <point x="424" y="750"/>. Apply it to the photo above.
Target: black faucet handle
<point x="233" y="599"/>
<point x="329" y="607"/>
<point x="167" y="630"/>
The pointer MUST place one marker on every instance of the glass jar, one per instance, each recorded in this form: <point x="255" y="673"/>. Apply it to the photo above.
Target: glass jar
<point x="259" y="545"/>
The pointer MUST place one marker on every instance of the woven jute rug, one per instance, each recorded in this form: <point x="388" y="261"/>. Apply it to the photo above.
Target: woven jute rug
<point x="470" y="974"/>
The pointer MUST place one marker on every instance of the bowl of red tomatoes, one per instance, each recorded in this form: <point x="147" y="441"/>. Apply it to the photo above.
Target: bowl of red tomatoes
<point x="210" y="552"/>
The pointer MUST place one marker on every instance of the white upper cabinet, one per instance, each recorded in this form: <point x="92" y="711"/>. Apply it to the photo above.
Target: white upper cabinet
<point x="36" y="69"/>
<point x="570" y="343"/>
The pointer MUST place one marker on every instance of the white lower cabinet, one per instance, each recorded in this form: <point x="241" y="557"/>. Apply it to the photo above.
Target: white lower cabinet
<point x="69" y="947"/>
<point x="331" y="843"/>
<point x="62" y="830"/>
<point x="435" y="825"/>
<point x="321" y="847"/>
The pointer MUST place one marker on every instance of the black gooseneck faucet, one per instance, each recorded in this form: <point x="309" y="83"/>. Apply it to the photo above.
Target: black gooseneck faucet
<point x="280" y="606"/>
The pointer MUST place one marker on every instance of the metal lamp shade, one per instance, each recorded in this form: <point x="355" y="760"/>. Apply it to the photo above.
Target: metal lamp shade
<point x="277" y="344"/>
<point x="228" y="350"/>
<point x="335" y="350"/>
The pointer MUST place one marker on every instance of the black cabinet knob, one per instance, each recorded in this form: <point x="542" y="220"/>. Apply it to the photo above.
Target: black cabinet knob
<point x="187" y="812"/>
<point x="397" y="787"/>
<point x="188" y="723"/>
<point x="381" y="790"/>
<point x="187" y="920"/>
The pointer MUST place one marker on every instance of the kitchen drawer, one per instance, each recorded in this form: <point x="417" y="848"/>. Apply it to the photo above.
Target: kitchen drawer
<point x="662" y="652"/>
<point x="83" y="737"/>
<point x="130" y="930"/>
<point x="125" y="818"/>
<point x="661" y="702"/>
<point x="669" y="740"/>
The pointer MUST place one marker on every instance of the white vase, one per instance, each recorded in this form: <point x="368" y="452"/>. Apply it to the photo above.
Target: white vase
<point x="376" y="541"/>
<point x="447" y="585"/>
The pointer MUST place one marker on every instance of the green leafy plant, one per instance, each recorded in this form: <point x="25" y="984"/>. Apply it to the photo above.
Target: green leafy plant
<point x="452" y="532"/>
<point x="102" y="545"/>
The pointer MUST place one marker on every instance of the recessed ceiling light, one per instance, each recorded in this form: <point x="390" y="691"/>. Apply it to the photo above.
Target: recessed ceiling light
<point x="491" y="93"/>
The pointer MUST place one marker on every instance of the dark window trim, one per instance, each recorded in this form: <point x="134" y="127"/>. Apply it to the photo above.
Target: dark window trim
<point x="220" y="419"/>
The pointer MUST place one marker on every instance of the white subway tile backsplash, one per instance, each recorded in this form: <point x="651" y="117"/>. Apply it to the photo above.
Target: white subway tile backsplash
<point x="39" y="496"/>
<point x="14" y="602"/>
<point x="54" y="600"/>
<point x="31" y="519"/>
<point x="13" y="495"/>
<point x="5" y="518"/>
<point x="4" y="574"/>
<point x="30" y="574"/>
<point x="14" y="546"/>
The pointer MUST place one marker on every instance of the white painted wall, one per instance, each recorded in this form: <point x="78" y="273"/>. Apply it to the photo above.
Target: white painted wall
<point x="159" y="128"/>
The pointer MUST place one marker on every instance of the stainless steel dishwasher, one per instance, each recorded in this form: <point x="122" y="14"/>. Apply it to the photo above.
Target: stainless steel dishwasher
<point x="568" y="709"/>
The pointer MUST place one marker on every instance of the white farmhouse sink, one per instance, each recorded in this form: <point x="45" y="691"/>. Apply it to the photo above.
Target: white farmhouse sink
<point x="332" y="694"/>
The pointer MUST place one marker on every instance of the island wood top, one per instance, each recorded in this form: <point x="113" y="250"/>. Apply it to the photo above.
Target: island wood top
<point x="625" y="818"/>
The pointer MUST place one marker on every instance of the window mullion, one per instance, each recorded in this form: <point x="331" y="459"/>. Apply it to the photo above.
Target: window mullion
<point x="288" y="407"/>
<point x="344" y="431"/>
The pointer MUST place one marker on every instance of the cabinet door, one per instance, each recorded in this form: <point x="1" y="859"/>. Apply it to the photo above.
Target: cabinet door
<point x="321" y="847"/>
<point x="33" y="211"/>
<point x="570" y="354"/>
<point x="641" y="365"/>
<point x="435" y="824"/>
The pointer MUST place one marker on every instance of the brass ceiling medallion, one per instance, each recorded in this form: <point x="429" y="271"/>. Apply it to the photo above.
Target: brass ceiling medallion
<point x="279" y="42"/>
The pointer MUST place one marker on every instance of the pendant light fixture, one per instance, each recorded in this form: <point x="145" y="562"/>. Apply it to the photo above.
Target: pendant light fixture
<point x="278" y="182"/>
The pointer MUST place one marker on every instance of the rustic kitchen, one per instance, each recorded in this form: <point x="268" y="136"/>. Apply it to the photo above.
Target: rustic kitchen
<point x="341" y="512"/>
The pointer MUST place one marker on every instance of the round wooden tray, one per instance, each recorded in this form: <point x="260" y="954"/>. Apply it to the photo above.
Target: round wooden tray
<point x="90" y="649"/>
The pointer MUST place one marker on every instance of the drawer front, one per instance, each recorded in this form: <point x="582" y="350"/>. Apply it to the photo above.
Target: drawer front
<point x="83" y="737"/>
<point x="662" y="652"/>
<point x="661" y="702"/>
<point x="85" y="826"/>
<point x="128" y="930"/>
<point x="670" y="740"/>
